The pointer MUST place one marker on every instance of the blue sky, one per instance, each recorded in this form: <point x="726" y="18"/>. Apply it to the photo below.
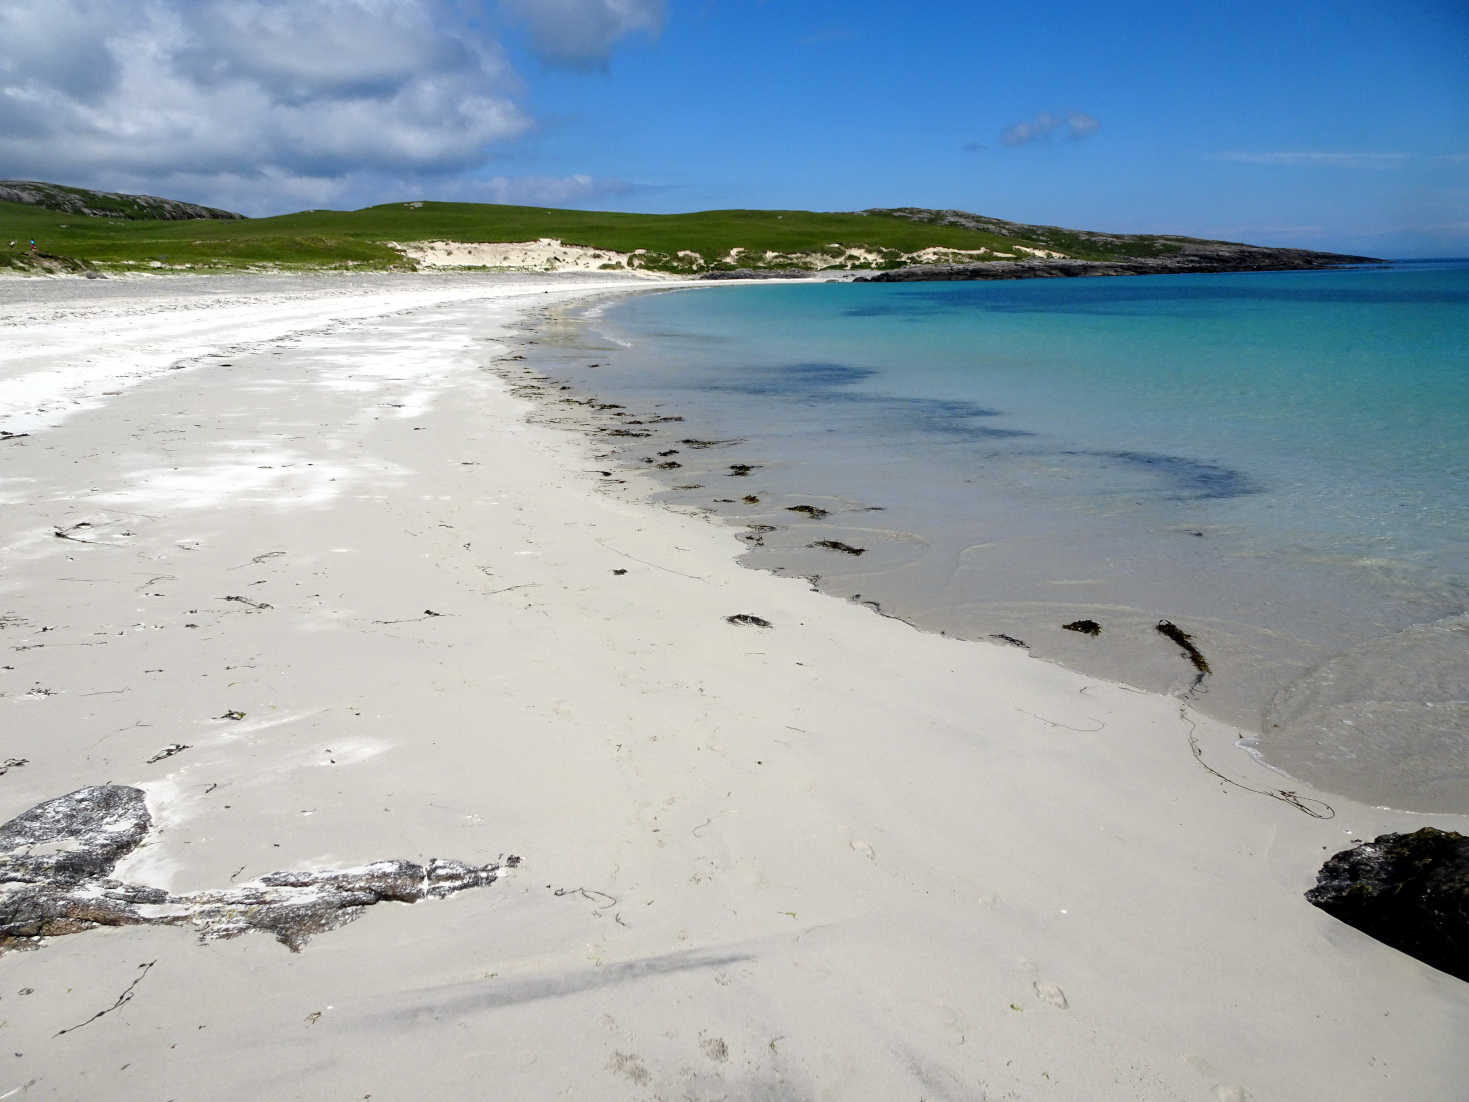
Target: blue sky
<point x="1338" y="126"/>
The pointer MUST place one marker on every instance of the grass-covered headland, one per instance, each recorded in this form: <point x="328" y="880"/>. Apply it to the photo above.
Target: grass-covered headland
<point x="75" y="229"/>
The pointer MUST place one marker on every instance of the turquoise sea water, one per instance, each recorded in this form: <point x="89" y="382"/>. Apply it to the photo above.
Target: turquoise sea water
<point x="1278" y="463"/>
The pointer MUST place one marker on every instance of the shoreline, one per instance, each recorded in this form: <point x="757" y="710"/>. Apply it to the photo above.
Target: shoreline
<point x="898" y="546"/>
<point x="845" y="858"/>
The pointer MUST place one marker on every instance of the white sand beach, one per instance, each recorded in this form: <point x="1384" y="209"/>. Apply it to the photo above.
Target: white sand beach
<point x="834" y="858"/>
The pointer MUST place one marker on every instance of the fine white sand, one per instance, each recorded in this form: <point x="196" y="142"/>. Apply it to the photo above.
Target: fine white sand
<point x="832" y="859"/>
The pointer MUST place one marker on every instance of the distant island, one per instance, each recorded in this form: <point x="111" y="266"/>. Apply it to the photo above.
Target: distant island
<point x="81" y="231"/>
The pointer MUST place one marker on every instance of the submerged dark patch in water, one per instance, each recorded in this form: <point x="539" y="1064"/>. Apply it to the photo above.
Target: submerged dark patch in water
<point x="792" y="379"/>
<point x="1194" y="478"/>
<point x="952" y="416"/>
<point x="822" y="383"/>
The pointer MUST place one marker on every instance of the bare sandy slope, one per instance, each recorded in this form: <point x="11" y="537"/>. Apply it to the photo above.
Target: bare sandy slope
<point x="834" y="858"/>
<point x="548" y="254"/>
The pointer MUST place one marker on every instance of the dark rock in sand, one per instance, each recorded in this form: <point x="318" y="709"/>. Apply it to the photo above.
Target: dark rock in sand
<point x="296" y="905"/>
<point x="79" y="835"/>
<point x="1410" y="891"/>
<point x="64" y="889"/>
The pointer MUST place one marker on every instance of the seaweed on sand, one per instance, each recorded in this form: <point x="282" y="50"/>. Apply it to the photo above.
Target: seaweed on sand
<point x="1170" y="630"/>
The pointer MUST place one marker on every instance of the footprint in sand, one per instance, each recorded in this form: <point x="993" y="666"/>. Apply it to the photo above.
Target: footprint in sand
<point x="1050" y="993"/>
<point x="630" y="1065"/>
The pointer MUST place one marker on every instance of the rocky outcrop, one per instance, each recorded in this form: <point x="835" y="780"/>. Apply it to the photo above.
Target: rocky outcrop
<point x="48" y="264"/>
<point x="1241" y="258"/>
<point x="106" y="204"/>
<point x="54" y="861"/>
<point x="1092" y="253"/>
<point x="1410" y="891"/>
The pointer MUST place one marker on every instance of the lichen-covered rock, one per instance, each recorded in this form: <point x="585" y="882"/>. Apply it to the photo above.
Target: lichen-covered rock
<point x="1410" y="891"/>
<point x="105" y="204"/>
<point x="296" y="905"/>
<point x="54" y="859"/>
<point x="48" y="910"/>
<point x="73" y="837"/>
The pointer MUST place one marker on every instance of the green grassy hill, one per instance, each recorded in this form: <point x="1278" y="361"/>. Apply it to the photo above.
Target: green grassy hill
<point x="337" y="239"/>
<point x="682" y="243"/>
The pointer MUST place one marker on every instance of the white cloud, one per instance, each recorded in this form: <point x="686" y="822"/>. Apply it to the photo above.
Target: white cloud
<point x="1079" y="125"/>
<point x="581" y="33"/>
<point x="361" y="48"/>
<point x="1348" y="160"/>
<point x="262" y="105"/>
<point x="236" y="86"/>
<point x="56" y="45"/>
<point x="243" y="192"/>
<point x="1074" y="124"/>
<point x="268" y="190"/>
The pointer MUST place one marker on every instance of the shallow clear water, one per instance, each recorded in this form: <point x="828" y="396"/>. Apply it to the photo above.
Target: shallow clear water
<point x="1279" y="463"/>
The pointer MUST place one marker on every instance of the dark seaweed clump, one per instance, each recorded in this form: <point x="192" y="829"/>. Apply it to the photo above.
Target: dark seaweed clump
<point x="1170" y="630"/>
<point x="838" y="545"/>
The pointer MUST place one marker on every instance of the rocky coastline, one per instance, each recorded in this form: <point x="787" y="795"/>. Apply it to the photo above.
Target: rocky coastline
<point x="1201" y="259"/>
